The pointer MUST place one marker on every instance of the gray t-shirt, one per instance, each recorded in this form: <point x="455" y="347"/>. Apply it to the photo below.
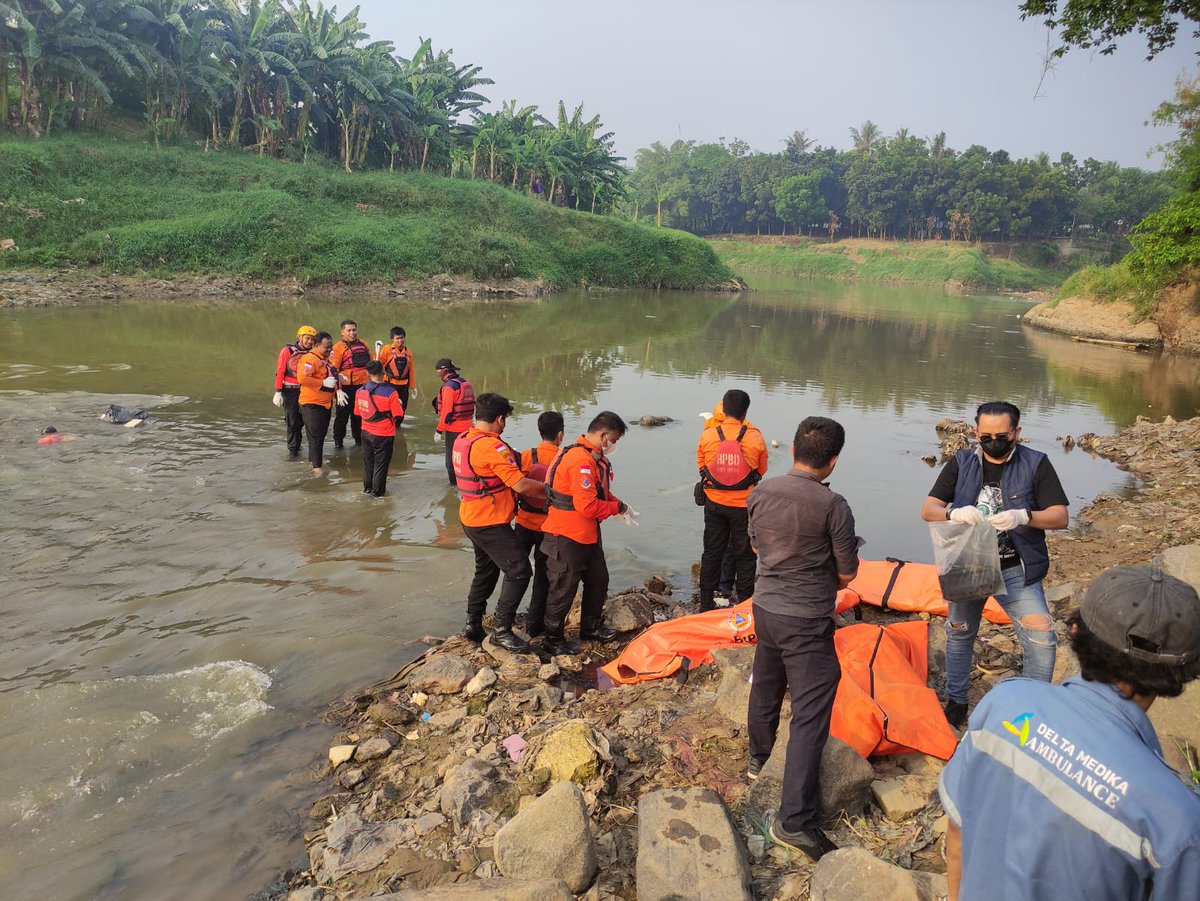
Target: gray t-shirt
<point x="804" y="533"/>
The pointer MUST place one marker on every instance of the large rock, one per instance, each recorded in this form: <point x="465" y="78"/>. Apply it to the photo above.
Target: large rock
<point x="443" y="674"/>
<point x="481" y="681"/>
<point x="899" y="798"/>
<point x="466" y="789"/>
<point x="551" y="837"/>
<point x="627" y="612"/>
<point x="852" y="874"/>
<point x="845" y="779"/>
<point x="1177" y="720"/>
<point x="1182" y="563"/>
<point x="489" y="890"/>
<point x="352" y="846"/>
<point x="689" y="848"/>
<point x="568" y="752"/>
<point x="733" y="692"/>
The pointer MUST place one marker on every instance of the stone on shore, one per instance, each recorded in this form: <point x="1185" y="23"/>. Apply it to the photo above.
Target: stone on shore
<point x="627" y="612"/>
<point x="339" y="754"/>
<point x="467" y="788"/>
<point x="733" y="691"/>
<point x="373" y="748"/>
<point x="551" y="837"/>
<point x="352" y="846"/>
<point x="481" y="681"/>
<point x="902" y="796"/>
<point x="449" y="718"/>
<point x="568" y="752"/>
<point x="853" y="874"/>
<point x="444" y="674"/>
<point x="488" y="890"/>
<point x="688" y="847"/>
<point x="845" y="779"/>
<point x="1177" y="720"/>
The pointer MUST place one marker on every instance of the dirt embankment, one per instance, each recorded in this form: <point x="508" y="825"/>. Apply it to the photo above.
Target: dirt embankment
<point x="64" y="287"/>
<point x="1175" y="324"/>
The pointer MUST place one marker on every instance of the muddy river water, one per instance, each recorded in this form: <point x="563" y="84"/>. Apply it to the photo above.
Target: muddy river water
<point x="180" y="601"/>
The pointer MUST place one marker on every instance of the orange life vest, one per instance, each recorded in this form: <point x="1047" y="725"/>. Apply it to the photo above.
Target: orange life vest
<point x="289" y="368"/>
<point x="463" y="407"/>
<point x="538" y="473"/>
<point x="729" y="470"/>
<point x="471" y="485"/>
<point x="366" y="407"/>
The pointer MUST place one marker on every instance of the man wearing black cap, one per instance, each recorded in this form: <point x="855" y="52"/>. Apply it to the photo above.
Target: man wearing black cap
<point x="1061" y="791"/>
<point x="455" y="406"/>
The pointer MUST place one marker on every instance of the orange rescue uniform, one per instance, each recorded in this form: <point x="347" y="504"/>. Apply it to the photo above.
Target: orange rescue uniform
<point x="754" y="450"/>
<point x="544" y="453"/>
<point x="584" y="473"/>
<point x="381" y="398"/>
<point x="490" y="456"/>
<point x="397" y="366"/>
<point x="342" y="358"/>
<point x="311" y="371"/>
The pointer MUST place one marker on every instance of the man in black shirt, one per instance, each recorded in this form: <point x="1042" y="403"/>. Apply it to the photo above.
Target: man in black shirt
<point x="1017" y="491"/>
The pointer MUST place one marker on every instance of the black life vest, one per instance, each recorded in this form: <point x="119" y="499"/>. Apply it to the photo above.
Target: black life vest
<point x="729" y="470"/>
<point x="397" y="367"/>
<point x="360" y="355"/>
<point x="561" y="500"/>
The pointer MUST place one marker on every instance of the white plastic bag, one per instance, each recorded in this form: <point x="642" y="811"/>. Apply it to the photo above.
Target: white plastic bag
<point x="967" y="559"/>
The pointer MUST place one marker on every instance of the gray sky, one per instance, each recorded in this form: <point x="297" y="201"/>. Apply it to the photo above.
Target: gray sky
<point x="657" y="70"/>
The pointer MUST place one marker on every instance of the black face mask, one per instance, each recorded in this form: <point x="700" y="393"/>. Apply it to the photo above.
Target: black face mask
<point x="997" y="447"/>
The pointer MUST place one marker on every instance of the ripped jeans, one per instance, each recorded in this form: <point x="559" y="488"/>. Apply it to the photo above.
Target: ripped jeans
<point x="1021" y="602"/>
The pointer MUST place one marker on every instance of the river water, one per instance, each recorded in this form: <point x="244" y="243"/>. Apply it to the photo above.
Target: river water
<point x="180" y="601"/>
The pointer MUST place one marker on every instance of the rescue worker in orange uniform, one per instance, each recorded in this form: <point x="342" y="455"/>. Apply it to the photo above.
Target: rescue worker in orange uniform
<point x="378" y="406"/>
<point x="488" y="478"/>
<point x="397" y="360"/>
<point x="578" y="487"/>
<point x="732" y="458"/>
<point x="454" y="405"/>
<point x="531" y="515"/>
<point x="287" y="387"/>
<point x="350" y="356"/>
<point x="318" y="386"/>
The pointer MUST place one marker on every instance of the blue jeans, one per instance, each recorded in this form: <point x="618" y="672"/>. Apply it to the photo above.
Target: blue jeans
<point x="1023" y="604"/>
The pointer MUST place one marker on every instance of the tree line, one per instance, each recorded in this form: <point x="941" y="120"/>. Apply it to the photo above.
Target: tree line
<point x="287" y="78"/>
<point x="898" y="186"/>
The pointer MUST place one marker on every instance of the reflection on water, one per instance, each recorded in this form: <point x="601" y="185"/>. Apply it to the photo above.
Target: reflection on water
<point x="182" y="600"/>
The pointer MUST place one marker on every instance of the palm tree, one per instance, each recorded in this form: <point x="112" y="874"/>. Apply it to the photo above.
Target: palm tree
<point x="796" y="145"/>
<point x="866" y="137"/>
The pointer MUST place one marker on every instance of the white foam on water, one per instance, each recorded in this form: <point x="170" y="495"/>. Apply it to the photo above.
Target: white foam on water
<point x="75" y="746"/>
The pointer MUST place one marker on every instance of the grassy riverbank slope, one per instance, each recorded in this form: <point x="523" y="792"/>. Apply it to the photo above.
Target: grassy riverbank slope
<point x="950" y="263"/>
<point x="126" y="207"/>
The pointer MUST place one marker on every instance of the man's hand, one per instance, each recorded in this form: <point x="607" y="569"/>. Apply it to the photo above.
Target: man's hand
<point x="969" y="515"/>
<point x="1009" y="519"/>
<point x="277" y="400"/>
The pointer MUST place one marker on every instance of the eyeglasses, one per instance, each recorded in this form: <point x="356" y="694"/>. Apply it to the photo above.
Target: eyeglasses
<point x="993" y="437"/>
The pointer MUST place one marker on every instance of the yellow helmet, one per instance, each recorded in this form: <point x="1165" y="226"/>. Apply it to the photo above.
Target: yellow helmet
<point x="306" y="330"/>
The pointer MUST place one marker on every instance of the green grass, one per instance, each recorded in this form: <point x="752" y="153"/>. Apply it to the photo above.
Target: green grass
<point x="180" y="210"/>
<point x="923" y="263"/>
<point x="1116" y="282"/>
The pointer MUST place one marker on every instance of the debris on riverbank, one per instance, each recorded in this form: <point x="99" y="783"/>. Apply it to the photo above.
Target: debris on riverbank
<point x="474" y="772"/>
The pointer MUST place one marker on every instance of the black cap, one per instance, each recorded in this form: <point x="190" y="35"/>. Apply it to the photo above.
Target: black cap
<point x="445" y="363"/>
<point x="1145" y="613"/>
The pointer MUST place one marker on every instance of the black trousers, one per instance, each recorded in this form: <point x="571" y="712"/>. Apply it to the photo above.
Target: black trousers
<point x="497" y="550"/>
<point x="345" y="413"/>
<point x="531" y="540"/>
<point x="402" y="392"/>
<point x="797" y="653"/>
<point x="292" y="419"/>
<point x="726" y="528"/>
<point x="316" y="425"/>
<point x="377" y="457"/>
<point x="448" y="438"/>
<point x="567" y="564"/>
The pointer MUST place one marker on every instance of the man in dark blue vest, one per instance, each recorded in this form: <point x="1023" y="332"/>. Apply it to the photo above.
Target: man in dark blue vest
<point x="1016" y="490"/>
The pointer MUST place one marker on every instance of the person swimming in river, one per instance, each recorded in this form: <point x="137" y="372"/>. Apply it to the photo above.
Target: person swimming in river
<point x="51" y="435"/>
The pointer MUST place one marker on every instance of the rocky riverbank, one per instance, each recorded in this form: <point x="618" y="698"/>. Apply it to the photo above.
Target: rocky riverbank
<point x="476" y="773"/>
<point x="65" y="287"/>
<point x="1175" y="324"/>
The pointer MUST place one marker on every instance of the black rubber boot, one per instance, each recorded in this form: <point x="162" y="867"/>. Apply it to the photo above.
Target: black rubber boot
<point x="509" y="640"/>
<point x="556" y="645"/>
<point x="473" y="631"/>
<point x="596" y="631"/>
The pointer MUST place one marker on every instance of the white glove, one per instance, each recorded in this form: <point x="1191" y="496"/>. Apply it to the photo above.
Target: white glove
<point x="330" y="382"/>
<point x="1009" y="519"/>
<point x="342" y="398"/>
<point x="416" y="392"/>
<point x="969" y="515"/>
<point x="277" y="400"/>
<point x="630" y="516"/>
<point x="437" y="437"/>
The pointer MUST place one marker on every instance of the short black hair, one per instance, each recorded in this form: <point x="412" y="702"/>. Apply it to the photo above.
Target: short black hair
<point x="374" y="367"/>
<point x="1101" y="662"/>
<point x="321" y="336"/>
<point x="550" y="424"/>
<point x="609" y="422"/>
<point x="736" y="403"/>
<point x="491" y="406"/>
<point x="397" y="332"/>
<point x="818" y="440"/>
<point x="999" y="408"/>
<point x="346" y="322"/>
